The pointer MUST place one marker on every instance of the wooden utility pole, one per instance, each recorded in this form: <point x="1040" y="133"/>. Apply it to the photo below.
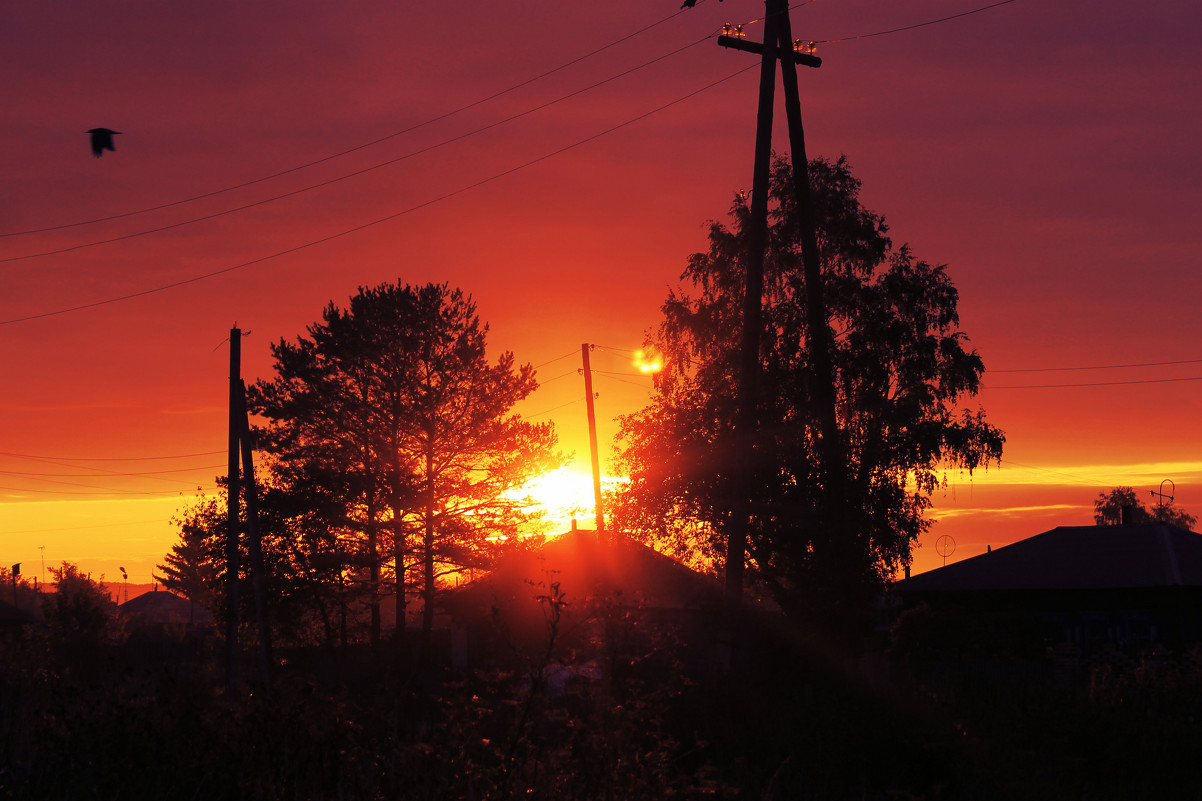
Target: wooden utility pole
<point x="255" y="542"/>
<point x="233" y="486"/>
<point x="592" y="438"/>
<point x="822" y="385"/>
<point x="241" y="465"/>
<point x="777" y="46"/>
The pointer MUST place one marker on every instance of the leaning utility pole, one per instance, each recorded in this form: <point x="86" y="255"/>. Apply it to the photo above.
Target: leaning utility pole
<point x="592" y="438"/>
<point x="777" y="46"/>
<point x="241" y="464"/>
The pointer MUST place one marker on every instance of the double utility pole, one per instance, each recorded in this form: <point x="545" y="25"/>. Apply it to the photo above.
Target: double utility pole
<point x="241" y="477"/>
<point x="778" y="45"/>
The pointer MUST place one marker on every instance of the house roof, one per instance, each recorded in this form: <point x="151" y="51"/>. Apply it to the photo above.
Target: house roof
<point x="585" y="565"/>
<point x="165" y="607"/>
<point x="1076" y="558"/>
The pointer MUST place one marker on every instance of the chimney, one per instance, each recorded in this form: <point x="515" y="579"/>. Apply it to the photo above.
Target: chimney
<point x="1125" y="514"/>
<point x="573" y="524"/>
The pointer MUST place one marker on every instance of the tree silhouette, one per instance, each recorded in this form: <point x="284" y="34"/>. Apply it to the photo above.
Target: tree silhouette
<point x="901" y="370"/>
<point x="1108" y="510"/>
<point x="303" y="563"/>
<point x="391" y="412"/>
<point x="79" y="608"/>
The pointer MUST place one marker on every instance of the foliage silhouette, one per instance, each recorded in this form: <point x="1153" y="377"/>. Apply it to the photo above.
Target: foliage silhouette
<point x="79" y="609"/>
<point x="1109" y="505"/>
<point x="902" y="369"/>
<point x="390" y="411"/>
<point x="304" y="587"/>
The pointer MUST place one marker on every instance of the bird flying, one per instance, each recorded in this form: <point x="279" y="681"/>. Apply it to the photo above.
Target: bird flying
<point x="102" y="140"/>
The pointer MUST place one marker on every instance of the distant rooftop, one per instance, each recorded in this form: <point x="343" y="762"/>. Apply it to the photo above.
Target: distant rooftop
<point x="1077" y="558"/>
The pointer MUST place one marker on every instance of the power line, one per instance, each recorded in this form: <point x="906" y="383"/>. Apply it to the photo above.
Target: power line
<point x="614" y="376"/>
<point x="355" y="149"/>
<point x="421" y="151"/>
<point x="97" y="491"/>
<point x="1096" y="367"/>
<point x="537" y="415"/>
<point x="916" y="25"/>
<point x="613" y="373"/>
<point x="561" y="375"/>
<point x="1097" y="383"/>
<point x="99" y="476"/>
<point x="355" y="173"/>
<point x="1084" y="481"/>
<point x="108" y="474"/>
<point x="556" y="359"/>
<point x="627" y="351"/>
<point x="418" y="126"/>
<point x="364" y="226"/>
<point x="109" y="458"/>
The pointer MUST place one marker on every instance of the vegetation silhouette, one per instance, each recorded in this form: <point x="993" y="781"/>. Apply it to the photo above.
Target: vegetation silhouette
<point x="1121" y="504"/>
<point x="902" y="372"/>
<point x="391" y="448"/>
<point x="603" y="703"/>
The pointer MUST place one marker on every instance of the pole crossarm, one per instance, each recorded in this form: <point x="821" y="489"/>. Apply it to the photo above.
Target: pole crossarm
<point x="738" y="43"/>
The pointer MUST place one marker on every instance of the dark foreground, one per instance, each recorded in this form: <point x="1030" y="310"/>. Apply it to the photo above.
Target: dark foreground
<point x="149" y="720"/>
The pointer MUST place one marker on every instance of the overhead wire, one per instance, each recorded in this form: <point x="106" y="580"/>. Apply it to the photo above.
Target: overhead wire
<point x="312" y="243"/>
<point x="556" y="359"/>
<point x="356" y="173"/>
<point x="561" y="375"/>
<point x="357" y="148"/>
<point x="95" y="490"/>
<point x="537" y="415"/>
<point x="614" y="377"/>
<point x="108" y="474"/>
<point x="1083" y="481"/>
<point x="1095" y="383"/>
<point x="107" y="458"/>
<point x="387" y="218"/>
<point x="1096" y="367"/>
<point x="916" y="25"/>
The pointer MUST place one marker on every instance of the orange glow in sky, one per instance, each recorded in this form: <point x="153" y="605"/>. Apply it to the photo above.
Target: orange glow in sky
<point x="561" y="170"/>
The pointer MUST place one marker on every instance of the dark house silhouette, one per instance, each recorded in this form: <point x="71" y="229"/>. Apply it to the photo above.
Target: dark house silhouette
<point x="161" y="612"/>
<point x="605" y="589"/>
<point x="1096" y="587"/>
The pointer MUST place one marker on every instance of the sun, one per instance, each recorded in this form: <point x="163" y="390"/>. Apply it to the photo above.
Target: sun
<point x="564" y="493"/>
<point x="648" y="361"/>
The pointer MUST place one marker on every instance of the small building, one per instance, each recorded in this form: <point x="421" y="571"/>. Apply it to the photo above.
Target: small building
<point x="582" y="595"/>
<point x="1097" y="587"/>
<point x="164" y="612"/>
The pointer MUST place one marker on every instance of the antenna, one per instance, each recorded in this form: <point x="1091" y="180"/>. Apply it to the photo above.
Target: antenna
<point x="1162" y="495"/>
<point x="945" y="546"/>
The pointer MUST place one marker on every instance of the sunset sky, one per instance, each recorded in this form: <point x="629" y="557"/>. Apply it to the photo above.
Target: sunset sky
<point x="559" y="161"/>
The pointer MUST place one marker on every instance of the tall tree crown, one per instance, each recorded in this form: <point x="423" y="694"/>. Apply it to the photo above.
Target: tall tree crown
<point x="902" y="370"/>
